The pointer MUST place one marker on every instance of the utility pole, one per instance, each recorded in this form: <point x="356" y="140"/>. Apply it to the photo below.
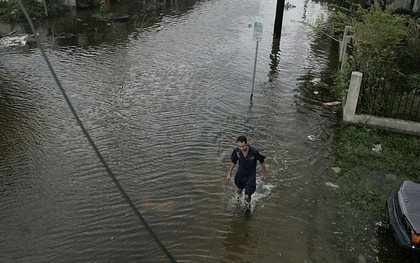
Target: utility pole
<point x="278" y="22"/>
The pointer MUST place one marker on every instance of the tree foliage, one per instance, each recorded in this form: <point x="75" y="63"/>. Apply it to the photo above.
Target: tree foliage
<point x="11" y="12"/>
<point x="385" y="44"/>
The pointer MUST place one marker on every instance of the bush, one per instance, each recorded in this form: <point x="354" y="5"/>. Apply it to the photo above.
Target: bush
<point x="10" y="10"/>
<point x="386" y="44"/>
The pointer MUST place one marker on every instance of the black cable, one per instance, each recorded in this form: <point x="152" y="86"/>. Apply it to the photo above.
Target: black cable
<point x="111" y="174"/>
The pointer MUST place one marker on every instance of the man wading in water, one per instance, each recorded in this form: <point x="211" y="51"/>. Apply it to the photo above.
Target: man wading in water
<point x="246" y="175"/>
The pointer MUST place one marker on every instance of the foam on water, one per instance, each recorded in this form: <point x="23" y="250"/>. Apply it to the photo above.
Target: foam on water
<point x="264" y="190"/>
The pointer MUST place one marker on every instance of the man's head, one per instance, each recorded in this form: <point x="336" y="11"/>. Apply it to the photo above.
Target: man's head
<point x="241" y="142"/>
<point x="242" y="139"/>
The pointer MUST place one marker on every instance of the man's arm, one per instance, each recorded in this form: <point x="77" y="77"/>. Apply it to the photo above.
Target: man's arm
<point x="264" y="175"/>
<point x="229" y="173"/>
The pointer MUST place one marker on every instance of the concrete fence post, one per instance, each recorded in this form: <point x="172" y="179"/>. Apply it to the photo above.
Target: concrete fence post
<point x="416" y="6"/>
<point x="352" y="96"/>
<point x="346" y="42"/>
<point x="343" y="45"/>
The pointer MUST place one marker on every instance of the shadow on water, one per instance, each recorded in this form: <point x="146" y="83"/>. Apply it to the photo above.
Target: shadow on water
<point x="237" y="240"/>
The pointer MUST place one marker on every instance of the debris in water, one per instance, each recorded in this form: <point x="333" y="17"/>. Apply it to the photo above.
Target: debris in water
<point x="377" y="147"/>
<point x="329" y="184"/>
<point x="379" y="224"/>
<point x="332" y="103"/>
<point x="312" y="137"/>
<point x="336" y="170"/>
<point x="13" y="41"/>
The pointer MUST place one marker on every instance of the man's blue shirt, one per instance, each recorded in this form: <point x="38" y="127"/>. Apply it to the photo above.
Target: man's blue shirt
<point x="247" y="164"/>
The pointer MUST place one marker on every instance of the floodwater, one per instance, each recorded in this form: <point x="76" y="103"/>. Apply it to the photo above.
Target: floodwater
<point x="164" y="98"/>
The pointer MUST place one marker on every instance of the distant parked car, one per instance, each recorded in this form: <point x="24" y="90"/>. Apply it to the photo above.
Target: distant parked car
<point x="403" y="214"/>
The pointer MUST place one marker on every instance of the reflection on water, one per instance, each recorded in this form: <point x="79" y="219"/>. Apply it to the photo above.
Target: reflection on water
<point x="237" y="240"/>
<point x="82" y="28"/>
<point x="164" y="100"/>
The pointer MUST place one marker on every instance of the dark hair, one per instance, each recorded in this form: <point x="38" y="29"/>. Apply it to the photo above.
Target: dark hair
<point x="242" y="139"/>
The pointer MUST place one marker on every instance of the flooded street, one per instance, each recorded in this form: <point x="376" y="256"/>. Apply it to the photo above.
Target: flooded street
<point x="164" y="101"/>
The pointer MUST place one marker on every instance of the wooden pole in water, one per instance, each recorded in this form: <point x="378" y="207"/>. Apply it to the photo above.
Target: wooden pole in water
<point x="278" y="22"/>
<point x="107" y="6"/>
